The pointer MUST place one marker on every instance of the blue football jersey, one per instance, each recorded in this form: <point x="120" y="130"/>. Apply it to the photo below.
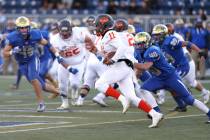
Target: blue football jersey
<point x="44" y="51"/>
<point x="28" y="47"/>
<point x="161" y="68"/>
<point x="172" y="49"/>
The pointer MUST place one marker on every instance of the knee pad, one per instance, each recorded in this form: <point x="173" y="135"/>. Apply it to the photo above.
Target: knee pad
<point x="189" y="100"/>
<point x="84" y="89"/>
<point x="194" y="83"/>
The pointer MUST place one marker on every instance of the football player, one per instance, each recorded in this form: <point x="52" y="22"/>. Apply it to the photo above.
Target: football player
<point x="164" y="74"/>
<point x="120" y="69"/>
<point x="173" y="50"/>
<point x="71" y="43"/>
<point x="22" y="43"/>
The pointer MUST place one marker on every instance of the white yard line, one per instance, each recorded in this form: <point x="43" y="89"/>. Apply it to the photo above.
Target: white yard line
<point x="92" y="124"/>
<point x="34" y="116"/>
<point x="35" y="123"/>
<point x="54" y="110"/>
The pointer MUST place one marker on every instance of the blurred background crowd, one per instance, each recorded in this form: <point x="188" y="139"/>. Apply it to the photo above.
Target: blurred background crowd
<point x="187" y="16"/>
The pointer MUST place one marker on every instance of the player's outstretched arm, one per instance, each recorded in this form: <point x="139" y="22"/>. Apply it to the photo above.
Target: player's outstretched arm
<point x="7" y="51"/>
<point x="143" y="66"/>
<point x="90" y="46"/>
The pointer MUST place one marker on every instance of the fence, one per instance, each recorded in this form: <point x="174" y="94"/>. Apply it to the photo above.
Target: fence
<point x="146" y="22"/>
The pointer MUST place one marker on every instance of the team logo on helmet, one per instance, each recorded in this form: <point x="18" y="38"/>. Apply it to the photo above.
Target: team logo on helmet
<point x="103" y="23"/>
<point x="23" y="26"/>
<point x="121" y="25"/>
<point x="160" y="29"/>
<point x="22" y="22"/>
<point x="142" y="40"/>
<point x="158" y="33"/>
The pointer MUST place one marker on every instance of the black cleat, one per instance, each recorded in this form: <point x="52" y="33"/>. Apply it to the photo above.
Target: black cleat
<point x="180" y="109"/>
<point x="208" y="122"/>
<point x="149" y="117"/>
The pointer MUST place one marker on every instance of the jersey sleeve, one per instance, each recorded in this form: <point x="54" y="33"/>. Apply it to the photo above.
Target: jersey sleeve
<point x="37" y="35"/>
<point x="152" y="55"/>
<point x="45" y="34"/>
<point x="10" y="40"/>
<point x="113" y="40"/>
<point x="174" y="43"/>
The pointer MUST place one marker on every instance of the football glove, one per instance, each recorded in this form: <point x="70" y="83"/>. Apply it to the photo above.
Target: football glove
<point x="202" y="53"/>
<point x="15" y="50"/>
<point x="73" y="70"/>
<point x="59" y="59"/>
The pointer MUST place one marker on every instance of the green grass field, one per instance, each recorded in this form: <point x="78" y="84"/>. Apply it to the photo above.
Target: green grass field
<point x="91" y="122"/>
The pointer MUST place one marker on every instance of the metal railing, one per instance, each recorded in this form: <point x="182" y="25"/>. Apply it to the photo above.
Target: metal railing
<point x="146" y="22"/>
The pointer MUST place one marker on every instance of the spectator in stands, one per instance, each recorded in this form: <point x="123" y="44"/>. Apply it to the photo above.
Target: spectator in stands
<point x="144" y="9"/>
<point x="123" y="7"/>
<point x="79" y="4"/>
<point x="10" y="27"/>
<point x="202" y="15"/>
<point x="112" y="8"/>
<point x="199" y="36"/>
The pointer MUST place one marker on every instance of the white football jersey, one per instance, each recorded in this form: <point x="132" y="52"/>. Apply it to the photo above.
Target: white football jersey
<point x="180" y="38"/>
<point x="72" y="49"/>
<point x="117" y="42"/>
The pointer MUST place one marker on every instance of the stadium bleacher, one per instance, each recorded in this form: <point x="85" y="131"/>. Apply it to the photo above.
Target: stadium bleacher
<point x="169" y="7"/>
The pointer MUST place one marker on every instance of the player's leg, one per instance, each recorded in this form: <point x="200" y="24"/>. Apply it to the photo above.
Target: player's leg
<point x="151" y="86"/>
<point x="54" y="70"/>
<point x="190" y="79"/>
<point x="113" y="74"/>
<point x="99" y="68"/>
<point x="75" y="82"/>
<point x="51" y="80"/>
<point x="63" y="81"/>
<point x="127" y="88"/>
<point x="44" y="68"/>
<point x="161" y="96"/>
<point x="33" y="77"/>
<point x="6" y="64"/>
<point x="94" y="69"/>
<point x="18" y="78"/>
<point x="184" y="93"/>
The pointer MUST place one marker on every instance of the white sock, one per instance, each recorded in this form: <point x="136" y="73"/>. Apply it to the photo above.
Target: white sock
<point x="201" y="106"/>
<point x="65" y="100"/>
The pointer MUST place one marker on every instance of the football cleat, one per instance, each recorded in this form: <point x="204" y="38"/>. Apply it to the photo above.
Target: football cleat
<point x="63" y="107"/>
<point x="206" y="97"/>
<point x="156" y="118"/>
<point x="179" y="109"/>
<point x="41" y="107"/>
<point x="13" y="86"/>
<point x="99" y="101"/>
<point x="80" y="101"/>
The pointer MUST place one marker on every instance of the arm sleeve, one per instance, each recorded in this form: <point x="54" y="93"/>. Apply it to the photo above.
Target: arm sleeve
<point x="175" y="43"/>
<point x="9" y="40"/>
